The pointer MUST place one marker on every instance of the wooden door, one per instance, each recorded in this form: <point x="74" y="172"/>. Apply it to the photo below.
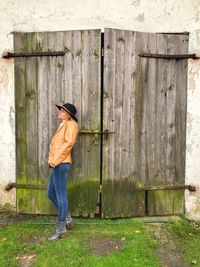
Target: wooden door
<point x="144" y="104"/>
<point x="40" y="83"/>
<point x="144" y="109"/>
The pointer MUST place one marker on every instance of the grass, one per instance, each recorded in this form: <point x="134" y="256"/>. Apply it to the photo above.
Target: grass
<point x="187" y="237"/>
<point x="19" y="239"/>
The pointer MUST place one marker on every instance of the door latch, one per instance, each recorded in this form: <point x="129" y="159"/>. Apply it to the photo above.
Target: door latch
<point x="106" y="132"/>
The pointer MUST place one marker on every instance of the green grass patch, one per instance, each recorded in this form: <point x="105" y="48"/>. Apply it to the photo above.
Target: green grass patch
<point x="136" y="248"/>
<point x="187" y="237"/>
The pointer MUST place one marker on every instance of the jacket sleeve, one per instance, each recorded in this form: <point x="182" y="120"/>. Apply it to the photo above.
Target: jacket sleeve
<point x="50" y="155"/>
<point x="70" y="139"/>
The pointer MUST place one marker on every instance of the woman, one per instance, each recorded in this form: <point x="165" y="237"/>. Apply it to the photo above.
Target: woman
<point x="60" y="160"/>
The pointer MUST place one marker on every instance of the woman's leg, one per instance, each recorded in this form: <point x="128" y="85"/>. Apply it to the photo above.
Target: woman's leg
<point x="60" y="185"/>
<point x="51" y="193"/>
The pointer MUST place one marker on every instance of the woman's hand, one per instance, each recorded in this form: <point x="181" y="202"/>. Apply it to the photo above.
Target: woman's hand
<point x="52" y="165"/>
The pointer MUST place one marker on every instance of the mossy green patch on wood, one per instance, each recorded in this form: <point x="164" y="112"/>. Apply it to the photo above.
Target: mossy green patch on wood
<point x="30" y="200"/>
<point x="30" y="42"/>
<point x="119" y="199"/>
<point x="165" y="202"/>
<point x="34" y="201"/>
<point x="20" y="85"/>
<point x="83" y="197"/>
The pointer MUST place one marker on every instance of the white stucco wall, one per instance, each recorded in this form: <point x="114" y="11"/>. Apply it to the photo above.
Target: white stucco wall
<point x="140" y="15"/>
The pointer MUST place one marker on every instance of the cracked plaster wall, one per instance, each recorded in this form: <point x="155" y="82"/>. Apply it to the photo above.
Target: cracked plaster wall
<point x="139" y="15"/>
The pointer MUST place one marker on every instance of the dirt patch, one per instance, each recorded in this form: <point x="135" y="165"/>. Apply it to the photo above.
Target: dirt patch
<point x="104" y="246"/>
<point x="26" y="260"/>
<point x="32" y="240"/>
<point x="168" y="253"/>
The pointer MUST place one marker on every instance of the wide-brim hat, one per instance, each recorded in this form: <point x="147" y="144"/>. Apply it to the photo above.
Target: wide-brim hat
<point x="70" y="108"/>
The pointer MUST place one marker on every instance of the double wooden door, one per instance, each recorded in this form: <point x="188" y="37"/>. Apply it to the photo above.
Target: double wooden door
<point x="131" y="117"/>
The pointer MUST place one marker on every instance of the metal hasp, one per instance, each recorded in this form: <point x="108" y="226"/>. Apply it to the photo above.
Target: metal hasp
<point x="106" y="132"/>
<point x="33" y="54"/>
<point x="168" y="56"/>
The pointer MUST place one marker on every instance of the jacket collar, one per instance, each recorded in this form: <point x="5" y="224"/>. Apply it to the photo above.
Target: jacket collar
<point x="62" y="125"/>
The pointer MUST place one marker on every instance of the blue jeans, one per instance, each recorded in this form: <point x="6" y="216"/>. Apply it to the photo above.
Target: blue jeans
<point x="57" y="189"/>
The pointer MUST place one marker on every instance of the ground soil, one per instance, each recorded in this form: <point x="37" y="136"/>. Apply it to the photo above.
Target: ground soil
<point x="103" y="246"/>
<point x="168" y="253"/>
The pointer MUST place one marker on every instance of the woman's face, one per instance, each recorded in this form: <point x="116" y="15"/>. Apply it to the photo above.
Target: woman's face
<point x="63" y="114"/>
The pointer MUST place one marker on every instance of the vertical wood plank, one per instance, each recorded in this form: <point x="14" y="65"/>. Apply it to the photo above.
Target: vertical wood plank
<point x="43" y="107"/>
<point x="20" y="116"/>
<point x="181" y="108"/>
<point x="44" y="84"/>
<point x="31" y="89"/>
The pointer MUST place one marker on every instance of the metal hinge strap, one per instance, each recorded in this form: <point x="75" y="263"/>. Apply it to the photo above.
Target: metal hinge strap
<point x="145" y="188"/>
<point x="26" y="186"/>
<point x="163" y="187"/>
<point x="168" y="56"/>
<point x="33" y="54"/>
<point x="166" y="187"/>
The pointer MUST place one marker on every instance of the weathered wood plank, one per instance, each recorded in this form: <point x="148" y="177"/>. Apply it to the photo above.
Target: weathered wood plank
<point x="31" y="89"/>
<point x="44" y="78"/>
<point x="43" y="108"/>
<point x="151" y="102"/>
<point x="181" y="107"/>
<point x="29" y="84"/>
<point x="20" y="116"/>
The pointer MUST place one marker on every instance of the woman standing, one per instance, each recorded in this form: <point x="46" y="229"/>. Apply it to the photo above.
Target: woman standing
<point x="60" y="161"/>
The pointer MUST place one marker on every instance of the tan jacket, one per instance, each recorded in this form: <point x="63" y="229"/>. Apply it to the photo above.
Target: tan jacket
<point x="62" y="143"/>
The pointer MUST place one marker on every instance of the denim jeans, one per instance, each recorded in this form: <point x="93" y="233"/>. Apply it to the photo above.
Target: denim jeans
<point x="57" y="189"/>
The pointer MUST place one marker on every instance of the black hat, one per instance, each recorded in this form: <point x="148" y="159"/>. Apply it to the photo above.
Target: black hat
<point x="71" y="109"/>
